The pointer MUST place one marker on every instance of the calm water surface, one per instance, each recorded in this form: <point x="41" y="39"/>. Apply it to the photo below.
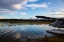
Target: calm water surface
<point x="23" y="30"/>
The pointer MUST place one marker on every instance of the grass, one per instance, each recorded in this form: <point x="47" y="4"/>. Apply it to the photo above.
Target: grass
<point x="45" y="39"/>
<point x="49" y="39"/>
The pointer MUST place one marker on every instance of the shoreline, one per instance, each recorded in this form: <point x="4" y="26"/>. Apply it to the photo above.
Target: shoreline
<point x="25" y="20"/>
<point x="28" y="21"/>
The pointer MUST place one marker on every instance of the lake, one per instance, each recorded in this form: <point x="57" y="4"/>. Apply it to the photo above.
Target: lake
<point x="23" y="30"/>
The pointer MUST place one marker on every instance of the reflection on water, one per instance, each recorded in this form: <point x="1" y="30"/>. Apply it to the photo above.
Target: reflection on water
<point x="23" y="31"/>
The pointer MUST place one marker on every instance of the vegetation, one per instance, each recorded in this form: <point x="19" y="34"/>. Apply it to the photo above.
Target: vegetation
<point x="45" y="39"/>
<point x="16" y="20"/>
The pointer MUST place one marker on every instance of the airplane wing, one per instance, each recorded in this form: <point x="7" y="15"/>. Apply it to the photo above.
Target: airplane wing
<point x="46" y="17"/>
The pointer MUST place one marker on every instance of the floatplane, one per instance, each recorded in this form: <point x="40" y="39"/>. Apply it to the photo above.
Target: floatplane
<point x="58" y="25"/>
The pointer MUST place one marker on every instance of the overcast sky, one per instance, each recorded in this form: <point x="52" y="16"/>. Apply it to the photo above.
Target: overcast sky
<point x="31" y="8"/>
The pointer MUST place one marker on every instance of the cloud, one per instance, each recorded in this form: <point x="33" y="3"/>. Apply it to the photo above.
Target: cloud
<point x="33" y="6"/>
<point x="57" y="14"/>
<point x="49" y="2"/>
<point x="17" y="6"/>
<point x="21" y="4"/>
<point x="1" y="17"/>
<point x="62" y="9"/>
<point x="23" y="13"/>
<point x="32" y="0"/>
<point x="14" y="4"/>
<point x="1" y="9"/>
<point x="8" y="12"/>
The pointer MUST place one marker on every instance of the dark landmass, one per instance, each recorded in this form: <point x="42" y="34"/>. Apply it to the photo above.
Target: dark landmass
<point x="48" y="39"/>
<point x="45" y="39"/>
<point x="19" y="20"/>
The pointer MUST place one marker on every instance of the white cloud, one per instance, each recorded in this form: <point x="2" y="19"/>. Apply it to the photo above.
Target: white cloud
<point x="32" y="0"/>
<point x="56" y="14"/>
<point x="62" y="9"/>
<point x="8" y="12"/>
<point x="17" y="6"/>
<point x="49" y="2"/>
<point x="23" y="13"/>
<point x="21" y="4"/>
<point x="40" y="12"/>
<point x="33" y="6"/>
<point x="14" y="4"/>
<point x="1" y="17"/>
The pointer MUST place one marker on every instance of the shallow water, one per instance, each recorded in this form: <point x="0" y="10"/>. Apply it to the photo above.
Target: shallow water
<point x="23" y="30"/>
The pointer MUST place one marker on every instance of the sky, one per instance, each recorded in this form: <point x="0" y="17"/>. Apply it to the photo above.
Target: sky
<point x="25" y="9"/>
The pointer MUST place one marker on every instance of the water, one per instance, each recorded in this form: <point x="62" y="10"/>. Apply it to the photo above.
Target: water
<point x="23" y="30"/>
